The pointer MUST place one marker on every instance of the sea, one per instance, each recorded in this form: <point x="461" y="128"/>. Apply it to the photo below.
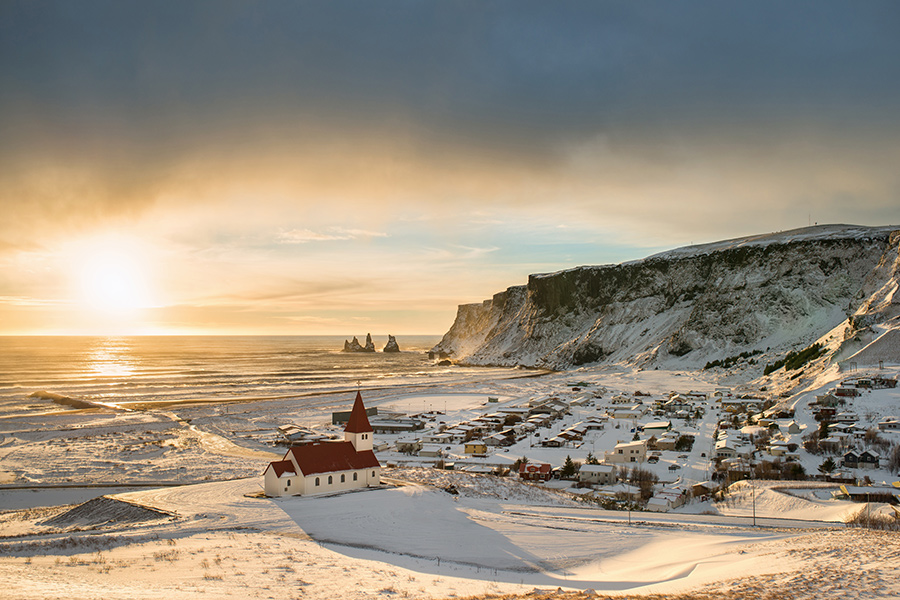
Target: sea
<point x="156" y="370"/>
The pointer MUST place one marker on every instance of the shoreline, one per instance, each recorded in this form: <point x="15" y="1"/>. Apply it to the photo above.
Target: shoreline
<point x="145" y="405"/>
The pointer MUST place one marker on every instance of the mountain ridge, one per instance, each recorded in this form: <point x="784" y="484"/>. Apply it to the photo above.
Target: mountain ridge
<point x="686" y="306"/>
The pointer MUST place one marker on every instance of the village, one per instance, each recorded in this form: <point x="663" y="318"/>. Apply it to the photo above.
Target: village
<point x="620" y="450"/>
<point x="592" y="479"/>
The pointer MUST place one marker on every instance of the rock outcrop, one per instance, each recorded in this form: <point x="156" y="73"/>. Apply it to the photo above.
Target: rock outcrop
<point x="355" y="346"/>
<point x="684" y="307"/>
<point x="391" y="345"/>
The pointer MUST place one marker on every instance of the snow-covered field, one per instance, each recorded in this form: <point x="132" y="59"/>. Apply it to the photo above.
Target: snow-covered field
<point x="425" y="533"/>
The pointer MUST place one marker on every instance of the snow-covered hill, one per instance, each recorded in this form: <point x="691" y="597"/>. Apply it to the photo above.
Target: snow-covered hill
<point x="687" y="306"/>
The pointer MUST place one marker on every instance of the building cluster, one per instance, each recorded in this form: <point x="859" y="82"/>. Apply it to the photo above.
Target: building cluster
<point x="626" y="434"/>
<point x="768" y="440"/>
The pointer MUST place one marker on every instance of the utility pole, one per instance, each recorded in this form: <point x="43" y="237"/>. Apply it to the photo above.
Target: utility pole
<point x="753" y="492"/>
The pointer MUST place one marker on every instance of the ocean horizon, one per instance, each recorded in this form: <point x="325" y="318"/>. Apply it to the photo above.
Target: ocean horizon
<point x="138" y="370"/>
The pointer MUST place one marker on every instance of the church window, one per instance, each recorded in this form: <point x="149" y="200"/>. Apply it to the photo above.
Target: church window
<point x="330" y="480"/>
<point x="289" y="483"/>
<point x="354" y="477"/>
<point x="317" y="481"/>
<point x="343" y="478"/>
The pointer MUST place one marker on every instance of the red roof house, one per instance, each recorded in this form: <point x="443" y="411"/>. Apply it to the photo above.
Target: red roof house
<point x="324" y="467"/>
<point x="535" y="471"/>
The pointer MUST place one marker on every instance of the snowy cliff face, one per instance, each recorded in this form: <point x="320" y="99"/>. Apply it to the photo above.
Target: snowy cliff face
<point x="686" y="306"/>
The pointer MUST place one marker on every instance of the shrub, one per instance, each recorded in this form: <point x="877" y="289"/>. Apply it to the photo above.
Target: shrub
<point x="684" y="443"/>
<point x="795" y="360"/>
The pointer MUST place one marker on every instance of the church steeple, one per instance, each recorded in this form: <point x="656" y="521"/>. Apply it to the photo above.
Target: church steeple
<point x="358" y="430"/>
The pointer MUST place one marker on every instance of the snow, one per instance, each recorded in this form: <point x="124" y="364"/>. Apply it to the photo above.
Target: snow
<point x="425" y="533"/>
<point x="884" y="349"/>
<point x="437" y="402"/>
<point x="818" y="232"/>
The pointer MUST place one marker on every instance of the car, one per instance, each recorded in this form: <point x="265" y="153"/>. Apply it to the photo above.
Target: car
<point x="703" y="455"/>
<point x="682" y="456"/>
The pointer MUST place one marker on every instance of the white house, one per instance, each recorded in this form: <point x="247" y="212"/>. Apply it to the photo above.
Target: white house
<point x="600" y="474"/>
<point x="666" y="499"/>
<point x="628" y="452"/>
<point x="633" y="412"/>
<point x="889" y="424"/>
<point x="324" y="467"/>
<point x="724" y="449"/>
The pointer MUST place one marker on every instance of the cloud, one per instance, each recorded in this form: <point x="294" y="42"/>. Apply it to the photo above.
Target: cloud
<point x="302" y="236"/>
<point x="444" y="152"/>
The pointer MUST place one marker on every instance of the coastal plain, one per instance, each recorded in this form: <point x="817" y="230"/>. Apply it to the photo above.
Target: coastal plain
<point x="180" y="513"/>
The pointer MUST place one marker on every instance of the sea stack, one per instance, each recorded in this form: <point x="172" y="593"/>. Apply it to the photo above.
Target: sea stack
<point x="355" y="346"/>
<point x="391" y="345"/>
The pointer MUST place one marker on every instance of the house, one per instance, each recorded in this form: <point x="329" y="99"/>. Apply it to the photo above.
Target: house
<point x="519" y="411"/>
<point x="633" y="412"/>
<point x="873" y="493"/>
<point x="535" y="471"/>
<point x="666" y="499"/>
<point x="431" y="451"/>
<point x="889" y="424"/>
<point x="504" y="438"/>
<point x="793" y="428"/>
<point x="554" y="408"/>
<point x="322" y="467"/>
<point x="441" y="438"/>
<point x="540" y="420"/>
<point x="835" y="442"/>
<point x="475" y="447"/>
<point x="867" y="459"/>
<point x="704" y="488"/>
<point x="572" y="434"/>
<point x="667" y="441"/>
<point x="828" y="399"/>
<point x="846" y="417"/>
<point x="295" y="434"/>
<point x="409" y="446"/>
<point x="725" y="449"/>
<point x="657" y="426"/>
<point x="778" y="448"/>
<point x="396" y="425"/>
<point x="621" y="490"/>
<point x="628" y="452"/>
<point x="595" y="424"/>
<point x="846" y="392"/>
<point x="599" y="474"/>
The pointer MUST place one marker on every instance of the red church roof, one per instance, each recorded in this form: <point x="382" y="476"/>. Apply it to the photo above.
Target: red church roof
<point x="358" y="422"/>
<point x="282" y="467"/>
<point x="328" y="457"/>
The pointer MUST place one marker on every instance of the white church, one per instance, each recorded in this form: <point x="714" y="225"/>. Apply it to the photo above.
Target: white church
<point x="323" y="467"/>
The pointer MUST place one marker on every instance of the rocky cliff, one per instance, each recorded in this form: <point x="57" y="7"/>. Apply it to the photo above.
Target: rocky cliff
<point x="686" y="306"/>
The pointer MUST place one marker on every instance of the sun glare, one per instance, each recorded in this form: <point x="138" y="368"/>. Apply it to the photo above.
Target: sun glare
<point x="111" y="276"/>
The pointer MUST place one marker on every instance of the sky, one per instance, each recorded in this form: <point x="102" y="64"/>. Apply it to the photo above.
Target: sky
<point x="290" y="167"/>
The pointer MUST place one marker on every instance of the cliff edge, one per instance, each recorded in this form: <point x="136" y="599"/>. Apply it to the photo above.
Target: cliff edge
<point x="684" y="307"/>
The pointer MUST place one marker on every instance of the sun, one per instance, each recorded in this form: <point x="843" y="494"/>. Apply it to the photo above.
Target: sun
<point x="111" y="276"/>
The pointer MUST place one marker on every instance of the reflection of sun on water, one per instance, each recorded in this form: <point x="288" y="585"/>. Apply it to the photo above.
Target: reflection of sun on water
<point x="111" y="357"/>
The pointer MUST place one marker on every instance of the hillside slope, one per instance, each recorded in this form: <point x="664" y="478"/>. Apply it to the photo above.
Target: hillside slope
<point x="684" y="307"/>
